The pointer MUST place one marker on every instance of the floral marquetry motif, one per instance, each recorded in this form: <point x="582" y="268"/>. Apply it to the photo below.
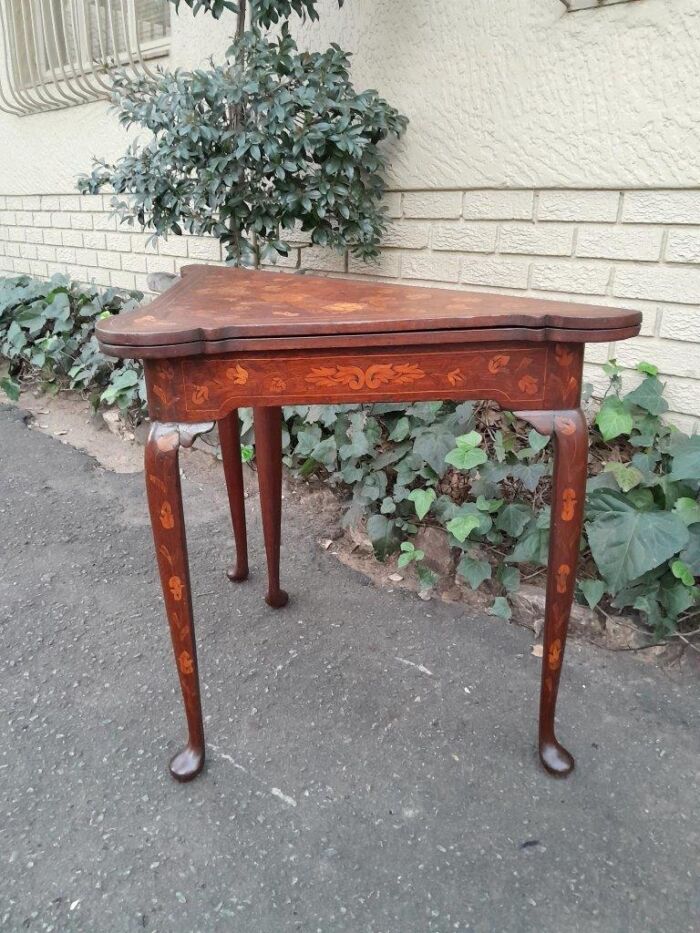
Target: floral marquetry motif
<point x="563" y="574"/>
<point x="554" y="654"/>
<point x="167" y="519"/>
<point x="528" y="384"/>
<point x="211" y="387"/>
<point x="498" y="362"/>
<point x="237" y="374"/>
<point x="200" y="395"/>
<point x="356" y="378"/>
<point x="176" y="588"/>
<point x="568" y="507"/>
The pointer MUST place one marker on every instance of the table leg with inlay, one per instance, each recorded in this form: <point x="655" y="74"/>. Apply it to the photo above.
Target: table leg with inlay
<point x="230" y="440"/>
<point x="164" y="492"/>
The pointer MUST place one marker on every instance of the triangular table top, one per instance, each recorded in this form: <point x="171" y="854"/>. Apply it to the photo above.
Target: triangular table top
<point x="212" y="308"/>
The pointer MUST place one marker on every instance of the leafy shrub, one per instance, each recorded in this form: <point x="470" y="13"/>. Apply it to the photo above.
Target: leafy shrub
<point x="271" y="140"/>
<point x="485" y="478"/>
<point x="47" y="332"/>
<point x="264" y="13"/>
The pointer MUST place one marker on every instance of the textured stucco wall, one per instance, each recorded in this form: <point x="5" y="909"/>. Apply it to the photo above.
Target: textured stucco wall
<point x="550" y="154"/>
<point x="499" y="92"/>
<point x="521" y="93"/>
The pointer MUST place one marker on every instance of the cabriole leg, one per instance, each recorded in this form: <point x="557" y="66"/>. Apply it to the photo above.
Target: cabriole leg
<point x="570" y="434"/>
<point x="230" y="439"/>
<point x="168" y="524"/>
<point x="268" y="454"/>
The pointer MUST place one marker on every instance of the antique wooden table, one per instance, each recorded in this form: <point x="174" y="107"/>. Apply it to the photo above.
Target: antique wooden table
<point x="221" y="339"/>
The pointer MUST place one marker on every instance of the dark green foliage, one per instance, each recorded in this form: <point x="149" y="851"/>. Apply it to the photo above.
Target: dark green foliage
<point x="642" y="528"/>
<point x="263" y="13"/>
<point x="270" y="140"/>
<point x="47" y="332"/>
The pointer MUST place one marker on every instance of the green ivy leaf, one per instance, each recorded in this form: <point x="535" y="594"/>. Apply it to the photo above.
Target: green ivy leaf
<point x="614" y="419"/>
<point x="509" y="578"/>
<point x="537" y="441"/>
<point x="687" y="509"/>
<point x="462" y="526"/>
<point x="402" y="429"/>
<point x="422" y="499"/>
<point x="647" y="368"/>
<point x="686" y="458"/>
<point x="501" y="608"/>
<point x="627" y="477"/>
<point x="627" y="543"/>
<point x="690" y="554"/>
<point x="10" y="387"/>
<point x="681" y="571"/>
<point x="488" y="505"/>
<point x="465" y="458"/>
<point x="474" y="571"/>
<point x="529" y="474"/>
<point x="383" y="534"/>
<point x="514" y="518"/>
<point x="649" y="396"/>
<point x="593" y="591"/>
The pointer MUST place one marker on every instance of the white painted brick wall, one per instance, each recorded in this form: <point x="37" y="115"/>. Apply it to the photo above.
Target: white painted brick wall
<point x="495" y="272"/>
<point x="578" y="205"/>
<point x="432" y="204"/>
<point x="578" y="277"/>
<point x="661" y="207"/>
<point x="683" y="245"/>
<point x="658" y="283"/>
<point x="635" y="249"/>
<point x="542" y="239"/>
<point x="498" y="205"/>
<point x="606" y="242"/>
<point x="465" y="237"/>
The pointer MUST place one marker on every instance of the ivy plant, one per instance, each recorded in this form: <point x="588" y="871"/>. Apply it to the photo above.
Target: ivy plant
<point x="484" y="478"/>
<point x="47" y="333"/>
<point x="270" y="142"/>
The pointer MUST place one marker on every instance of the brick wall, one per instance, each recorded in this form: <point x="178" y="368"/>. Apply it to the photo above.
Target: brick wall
<point x="632" y="248"/>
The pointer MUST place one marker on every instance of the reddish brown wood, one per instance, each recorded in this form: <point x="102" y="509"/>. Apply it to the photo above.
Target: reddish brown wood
<point x="421" y="338"/>
<point x="570" y="433"/>
<point x="212" y="304"/>
<point x="224" y="339"/>
<point x="230" y="440"/>
<point x="268" y="447"/>
<point x="536" y="376"/>
<point x="168" y="524"/>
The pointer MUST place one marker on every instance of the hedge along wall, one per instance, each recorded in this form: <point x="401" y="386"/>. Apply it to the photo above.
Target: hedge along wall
<point x="627" y="248"/>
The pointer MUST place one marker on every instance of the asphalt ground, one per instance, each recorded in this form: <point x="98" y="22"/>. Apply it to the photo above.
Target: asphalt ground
<point x="371" y="763"/>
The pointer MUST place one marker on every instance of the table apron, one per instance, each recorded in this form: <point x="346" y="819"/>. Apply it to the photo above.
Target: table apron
<point x="514" y="374"/>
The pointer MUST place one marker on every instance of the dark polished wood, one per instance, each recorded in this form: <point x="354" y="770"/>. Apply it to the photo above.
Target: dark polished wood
<point x="570" y="433"/>
<point x="230" y="440"/>
<point x="223" y="339"/>
<point x="211" y="304"/>
<point x="268" y="446"/>
<point x="168" y="523"/>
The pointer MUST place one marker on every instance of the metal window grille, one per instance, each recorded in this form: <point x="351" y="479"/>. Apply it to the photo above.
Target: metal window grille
<point x="57" y="53"/>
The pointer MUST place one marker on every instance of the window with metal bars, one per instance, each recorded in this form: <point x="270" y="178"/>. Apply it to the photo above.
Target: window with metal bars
<point x="57" y="53"/>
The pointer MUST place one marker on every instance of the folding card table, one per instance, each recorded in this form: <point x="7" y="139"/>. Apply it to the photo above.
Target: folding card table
<point x="221" y="339"/>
